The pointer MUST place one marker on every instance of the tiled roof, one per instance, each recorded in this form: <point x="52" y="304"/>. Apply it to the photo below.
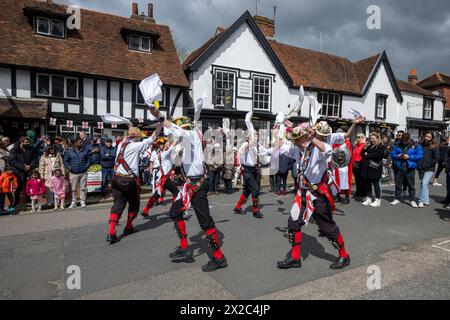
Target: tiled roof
<point x="409" y="87"/>
<point x="23" y="108"/>
<point x="436" y="79"/>
<point x="320" y="70"/>
<point x="98" y="48"/>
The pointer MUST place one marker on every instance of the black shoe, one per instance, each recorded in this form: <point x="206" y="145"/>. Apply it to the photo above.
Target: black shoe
<point x="128" y="232"/>
<point x="345" y="200"/>
<point x="145" y="215"/>
<point x="258" y="214"/>
<point x="112" y="238"/>
<point x="359" y="199"/>
<point x="239" y="211"/>
<point x="289" y="263"/>
<point x="340" y="263"/>
<point x="215" y="264"/>
<point x="445" y="201"/>
<point x="181" y="253"/>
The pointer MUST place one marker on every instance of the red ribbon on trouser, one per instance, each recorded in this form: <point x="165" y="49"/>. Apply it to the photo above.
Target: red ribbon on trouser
<point x="296" y="209"/>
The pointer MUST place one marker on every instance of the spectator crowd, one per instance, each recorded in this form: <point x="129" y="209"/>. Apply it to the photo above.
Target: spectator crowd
<point x="53" y="172"/>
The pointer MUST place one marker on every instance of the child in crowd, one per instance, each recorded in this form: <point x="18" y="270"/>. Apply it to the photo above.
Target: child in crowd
<point x="58" y="187"/>
<point x="8" y="185"/>
<point x="35" y="190"/>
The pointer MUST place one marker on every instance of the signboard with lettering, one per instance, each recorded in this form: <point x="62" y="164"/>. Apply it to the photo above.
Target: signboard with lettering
<point x="245" y="88"/>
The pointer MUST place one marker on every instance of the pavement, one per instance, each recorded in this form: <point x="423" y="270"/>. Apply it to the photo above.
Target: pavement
<point x="407" y="249"/>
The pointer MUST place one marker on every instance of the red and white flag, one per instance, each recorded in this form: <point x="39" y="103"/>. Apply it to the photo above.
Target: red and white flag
<point x="113" y="125"/>
<point x="297" y="207"/>
<point x="85" y="124"/>
<point x="141" y="119"/>
<point x="100" y="125"/>
<point x="53" y="121"/>
<point x="69" y="124"/>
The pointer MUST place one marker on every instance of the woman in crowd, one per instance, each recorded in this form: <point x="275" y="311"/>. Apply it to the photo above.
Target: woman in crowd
<point x="4" y="155"/>
<point x="426" y="166"/>
<point x="387" y="161"/>
<point x="49" y="162"/>
<point x="371" y="169"/>
<point x="357" y="160"/>
<point x="443" y="148"/>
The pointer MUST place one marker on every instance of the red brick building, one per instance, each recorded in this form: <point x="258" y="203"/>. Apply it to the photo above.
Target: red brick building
<point x="439" y="82"/>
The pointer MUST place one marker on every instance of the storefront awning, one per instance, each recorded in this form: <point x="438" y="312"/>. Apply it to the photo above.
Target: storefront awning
<point x="417" y="123"/>
<point x="26" y="108"/>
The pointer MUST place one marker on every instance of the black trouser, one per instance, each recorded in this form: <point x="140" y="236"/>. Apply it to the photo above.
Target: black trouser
<point x="18" y="192"/>
<point x="376" y="187"/>
<point x="214" y="177"/>
<point x="359" y="182"/>
<point x="273" y="185"/>
<point x="228" y="185"/>
<point x="199" y="203"/>
<point x="322" y="215"/>
<point x="405" y="177"/>
<point x="2" y="200"/>
<point x="125" y="191"/>
<point x="251" y="185"/>
<point x="169" y="185"/>
<point x="439" y="170"/>
<point x="281" y="178"/>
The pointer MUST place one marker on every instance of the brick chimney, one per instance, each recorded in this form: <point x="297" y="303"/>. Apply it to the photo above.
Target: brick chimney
<point x="266" y="25"/>
<point x="150" y="10"/>
<point x="412" y="78"/>
<point x="134" y="9"/>
<point x="144" y="17"/>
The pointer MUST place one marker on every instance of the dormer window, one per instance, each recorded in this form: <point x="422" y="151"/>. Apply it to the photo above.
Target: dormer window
<point x="139" y="43"/>
<point x="50" y="27"/>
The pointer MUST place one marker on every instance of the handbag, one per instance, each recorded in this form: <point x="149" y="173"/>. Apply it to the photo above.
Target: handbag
<point x="374" y="165"/>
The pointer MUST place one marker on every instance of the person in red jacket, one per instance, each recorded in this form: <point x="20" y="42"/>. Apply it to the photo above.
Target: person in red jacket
<point x="357" y="159"/>
<point x="35" y="189"/>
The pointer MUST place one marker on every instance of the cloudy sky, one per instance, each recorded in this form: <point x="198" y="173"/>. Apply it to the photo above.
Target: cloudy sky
<point x="414" y="33"/>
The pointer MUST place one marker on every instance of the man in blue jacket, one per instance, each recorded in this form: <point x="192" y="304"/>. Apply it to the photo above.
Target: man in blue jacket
<point x="405" y="156"/>
<point x="77" y="161"/>
<point x="107" y="158"/>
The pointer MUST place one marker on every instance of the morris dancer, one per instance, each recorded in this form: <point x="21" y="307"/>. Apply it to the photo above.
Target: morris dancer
<point x="313" y="198"/>
<point x="125" y="182"/>
<point x="194" y="190"/>
<point x="164" y="176"/>
<point x="249" y="159"/>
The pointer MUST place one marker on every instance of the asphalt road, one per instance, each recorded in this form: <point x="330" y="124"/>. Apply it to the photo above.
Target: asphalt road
<point x="37" y="249"/>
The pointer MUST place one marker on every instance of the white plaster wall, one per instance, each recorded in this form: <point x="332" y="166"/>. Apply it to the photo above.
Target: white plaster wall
<point x="127" y="100"/>
<point x="88" y="96"/>
<point x="101" y="97"/>
<point x="242" y="51"/>
<point x="115" y="98"/>
<point x="366" y="104"/>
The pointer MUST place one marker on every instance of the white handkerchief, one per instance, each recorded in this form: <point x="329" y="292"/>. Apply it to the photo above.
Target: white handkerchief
<point x="151" y="89"/>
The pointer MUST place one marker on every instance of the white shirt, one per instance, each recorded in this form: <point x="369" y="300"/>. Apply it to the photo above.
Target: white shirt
<point x="248" y="154"/>
<point x="318" y="164"/>
<point x="155" y="159"/>
<point x="132" y="155"/>
<point x="166" y="160"/>
<point x="193" y="156"/>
